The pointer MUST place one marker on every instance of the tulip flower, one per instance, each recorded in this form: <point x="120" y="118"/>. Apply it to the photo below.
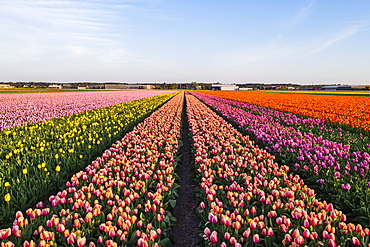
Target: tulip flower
<point x="7" y="197"/>
<point x="213" y="237"/>
<point x="355" y="241"/>
<point x="256" y="238"/>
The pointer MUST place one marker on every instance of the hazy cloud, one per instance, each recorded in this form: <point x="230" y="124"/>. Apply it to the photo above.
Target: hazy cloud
<point x="339" y="36"/>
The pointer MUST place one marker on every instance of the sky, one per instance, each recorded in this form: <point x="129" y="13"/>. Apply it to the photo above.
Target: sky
<point x="227" y="41"/>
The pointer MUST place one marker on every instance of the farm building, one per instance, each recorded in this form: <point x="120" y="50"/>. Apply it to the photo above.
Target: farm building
<point x="336" y="88"/>
<point x="55" y="86"/>
<point x="218" y="87"/>
<point x="6" y="86"/>
<point x="361" y="87"/>
<point x="147" y="87"/>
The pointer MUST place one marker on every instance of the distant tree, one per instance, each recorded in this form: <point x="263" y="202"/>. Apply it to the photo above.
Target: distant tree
<point x="202" y="86"/>
<point x="173" y="86"/>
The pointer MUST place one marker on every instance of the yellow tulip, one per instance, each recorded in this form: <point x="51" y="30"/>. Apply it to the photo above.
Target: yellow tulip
<point x="7" y="197"/>
<point x="7" y="184"/>
<point x="24" y="171"/>
<point x="57" y="168"/>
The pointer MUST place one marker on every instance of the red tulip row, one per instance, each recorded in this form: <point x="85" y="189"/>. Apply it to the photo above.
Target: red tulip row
<point x="121" y="199"/>
<point x="249" y="200"/>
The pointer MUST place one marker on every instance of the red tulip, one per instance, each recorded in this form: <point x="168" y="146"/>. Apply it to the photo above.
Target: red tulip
<point x="61" y="228"/>
<point x="299" y="240"/>
<point x="5" y="233"/>
<point x="355" y="241"/>
<point x="213" y="237"/>
<point x="81" y="242"/>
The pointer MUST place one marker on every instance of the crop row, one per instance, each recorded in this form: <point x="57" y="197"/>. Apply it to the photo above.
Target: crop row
<point x="121" y="199"/>
<point x="37" y="159"/>
<point x="22" y="109"/>
<point x="340" y="174"/>
<point x="249" y="200"/>
<point x="356" y="138"/>
<point x="350" y="110"/>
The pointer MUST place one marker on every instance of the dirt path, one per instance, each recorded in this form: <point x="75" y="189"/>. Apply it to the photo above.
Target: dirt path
<point x="184" y="235"/>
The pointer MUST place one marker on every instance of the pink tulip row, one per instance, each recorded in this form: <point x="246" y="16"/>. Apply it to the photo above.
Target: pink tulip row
<point x="121" y="199"/>
<point x="21" y="109"/>
<point x="249" y="200"/>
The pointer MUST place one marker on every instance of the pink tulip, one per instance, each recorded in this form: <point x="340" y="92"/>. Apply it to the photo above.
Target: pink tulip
<point x="332" y="243"/>
<point x="247" y="233"/>
<point x="288" y="238"/>
<point x="306" y="233"/>
<point x="256" y="238"/>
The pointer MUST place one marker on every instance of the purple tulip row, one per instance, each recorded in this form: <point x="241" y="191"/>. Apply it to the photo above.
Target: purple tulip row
<point x="316" y="150"/>
<point x="21" y="109"/>
<point x="247" y="199"/>
<point x="122" y="199"/>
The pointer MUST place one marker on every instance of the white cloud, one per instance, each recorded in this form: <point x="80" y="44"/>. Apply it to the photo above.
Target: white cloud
<point x="339" y="36"/>
<point x="34" y="33"/>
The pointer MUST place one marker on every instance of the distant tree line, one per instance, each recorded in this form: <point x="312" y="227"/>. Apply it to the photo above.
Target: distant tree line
<point x="75" y="85"/>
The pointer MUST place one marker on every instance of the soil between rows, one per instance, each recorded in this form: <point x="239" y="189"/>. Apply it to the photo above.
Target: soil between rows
<point x="184" y="235"/>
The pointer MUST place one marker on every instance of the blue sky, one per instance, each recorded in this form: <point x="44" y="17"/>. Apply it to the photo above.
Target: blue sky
<point x="299" y="41"/>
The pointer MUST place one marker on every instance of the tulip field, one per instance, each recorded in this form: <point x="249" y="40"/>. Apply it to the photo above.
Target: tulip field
<point x="353" y="111"/>
<point x="24" y="108"/>
<point x="100" y="169"/>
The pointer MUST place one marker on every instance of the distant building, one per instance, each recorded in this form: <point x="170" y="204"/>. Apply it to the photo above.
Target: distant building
<point x="6" y="86"/>
<point x="55" y="86"/>
<point x="218" y="87"/>
<point x="361" y="87"/>
<point x="337" y="88"/>
<point x="147" y="87"/>
<point x="245" y="88"/>
<point x="282" y="87"/>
